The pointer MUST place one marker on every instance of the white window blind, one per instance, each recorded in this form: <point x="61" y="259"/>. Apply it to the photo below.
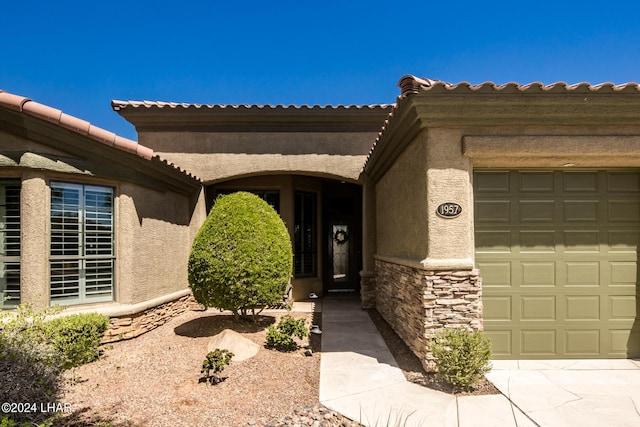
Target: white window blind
<point x="9" y="243"/>
<point x="82" y="248"/>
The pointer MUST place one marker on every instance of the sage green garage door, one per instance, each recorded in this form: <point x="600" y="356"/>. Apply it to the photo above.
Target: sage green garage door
<point x="558" y="256"/>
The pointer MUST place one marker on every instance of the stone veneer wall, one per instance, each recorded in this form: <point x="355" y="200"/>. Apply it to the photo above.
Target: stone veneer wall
<point x="417" y="303"/>
<point x="126" y="327"/>
<point x="367" y="289"/>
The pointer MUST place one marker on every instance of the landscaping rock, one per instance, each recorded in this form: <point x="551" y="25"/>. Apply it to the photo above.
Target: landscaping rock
<point x="241" y="347"/>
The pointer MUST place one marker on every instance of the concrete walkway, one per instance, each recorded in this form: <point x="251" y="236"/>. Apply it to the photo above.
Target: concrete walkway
<point x="360" y="379"/>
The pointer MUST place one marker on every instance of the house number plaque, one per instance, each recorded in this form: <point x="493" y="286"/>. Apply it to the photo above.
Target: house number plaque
<point x="449" y="210"/>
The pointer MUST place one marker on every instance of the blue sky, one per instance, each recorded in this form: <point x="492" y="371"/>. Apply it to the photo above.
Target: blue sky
<point x="79" y="55"/>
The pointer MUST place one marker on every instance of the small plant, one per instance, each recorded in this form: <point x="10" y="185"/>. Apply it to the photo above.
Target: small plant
<point x="281" y="336"/>
<point x="462" y="357"/>
<point x="216" y="361"/>
<point x="77" y="337"/>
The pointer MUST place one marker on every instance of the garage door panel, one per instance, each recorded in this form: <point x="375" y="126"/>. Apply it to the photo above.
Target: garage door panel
<point x="582" y="342"/>
<point x="582" y="307"/>
<point x="624" y="210"/>
<point x="501" y="342"/>
<point x="623" y="182"/>
<point x="538" y="342"/>
<point x="580" y="211"/>
<point x="498" y="308"/>
<point x="493" y="211"/>
<point x="621" y="340"/>
<point x="536" y="211"/>
<point x="539" y="182"/>
<point x="623" y="241"/>
<point x="536" y="273"/>
<point x="622" y="273"/>
<point x="537" y="241"/>
<point x="494" y="241"/>
<point x="492" y="182"/>
<point x="623" y="307"/>
<point x="538" y="308"/>
<point x="580" y="182"/>
<point x="582" y="241"/>
<point x="557" y="251"/>
<point x="584" y="274"/>
<point x="495" y="274"/>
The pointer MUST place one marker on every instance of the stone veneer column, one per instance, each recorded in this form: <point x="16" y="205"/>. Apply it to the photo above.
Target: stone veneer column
<point x="441" y="289"/>
<point x="417" y="303"/>
<point x="367" y="275"/>
<point x="34" y="249"/>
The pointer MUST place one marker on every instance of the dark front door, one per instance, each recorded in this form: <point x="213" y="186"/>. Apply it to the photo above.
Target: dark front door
<point x="342" y="213"/>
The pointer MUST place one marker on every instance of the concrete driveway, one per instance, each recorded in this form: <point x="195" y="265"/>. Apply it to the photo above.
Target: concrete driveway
<point x="360" y="379"/>
<point x="581" y="393"/>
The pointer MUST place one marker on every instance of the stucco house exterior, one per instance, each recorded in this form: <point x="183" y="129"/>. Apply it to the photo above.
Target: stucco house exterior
<point x="513" y="209"/>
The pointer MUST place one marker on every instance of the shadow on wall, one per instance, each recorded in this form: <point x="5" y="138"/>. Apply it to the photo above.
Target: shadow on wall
<point x="283" y="143"/>
<point x="167" y="206"/>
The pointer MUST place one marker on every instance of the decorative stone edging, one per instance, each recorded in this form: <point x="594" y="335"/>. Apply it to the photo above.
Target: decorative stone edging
<point x="418" y="303"/>
<point x="127" y="327"/>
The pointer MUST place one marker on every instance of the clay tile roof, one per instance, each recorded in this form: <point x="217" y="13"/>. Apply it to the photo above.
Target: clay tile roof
<point x="121" y="105"/>
<point x="74" y="124"/>
<point x="411" y="85"/>
<point x="57" y="117"/>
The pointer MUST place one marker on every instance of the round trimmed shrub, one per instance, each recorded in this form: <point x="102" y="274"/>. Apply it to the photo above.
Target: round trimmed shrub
<point x="241" y="257"/>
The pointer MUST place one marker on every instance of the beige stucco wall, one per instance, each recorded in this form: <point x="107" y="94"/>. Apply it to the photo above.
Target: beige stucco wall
<point x="154" y="228"/>
<point x="34" y="245"/>
<point x="401" y="205"/>
<point x="154" y="236"/>
<point x="449" y="179"/>
<point x="557" y="149"/>
<point x="11" y="142"/>
<point x="216" y="156"/>
<point x="432" y="170"/>
<point x="437" y="167"/>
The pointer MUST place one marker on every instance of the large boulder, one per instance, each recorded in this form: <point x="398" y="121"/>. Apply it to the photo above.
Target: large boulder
<point x="241" y="347"/>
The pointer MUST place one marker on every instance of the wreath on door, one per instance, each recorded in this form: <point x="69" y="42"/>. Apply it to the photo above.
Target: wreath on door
<point x="341" y="237"/>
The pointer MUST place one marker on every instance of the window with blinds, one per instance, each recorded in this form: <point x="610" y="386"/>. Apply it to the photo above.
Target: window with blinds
<point x="9" y="243"/>
<point x="305" y="240"/>
<point x="82" y="244"/>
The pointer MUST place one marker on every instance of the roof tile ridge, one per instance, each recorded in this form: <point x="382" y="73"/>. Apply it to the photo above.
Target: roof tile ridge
<point x="12" y="101"/>
<point x="166" y="162"/>
<point x="410" y="84"/>
<point x="58" y="117"/>
<point x="383" y="129"/>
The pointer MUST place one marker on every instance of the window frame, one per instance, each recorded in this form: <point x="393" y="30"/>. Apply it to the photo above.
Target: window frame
<point x="84" y="259"/>
<point x="265" y="194"/>
<point x="305" y="244"/>
<point x="8" y="231"/>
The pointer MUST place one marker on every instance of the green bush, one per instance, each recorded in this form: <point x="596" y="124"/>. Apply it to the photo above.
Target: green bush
<point x="281" y="336"/>
<point x="462" y="357"/>
<point x="241" y="258"/>
<point x="215" y="361"/>
<point x="77" y="337"/>
<point x="30" y="366"/>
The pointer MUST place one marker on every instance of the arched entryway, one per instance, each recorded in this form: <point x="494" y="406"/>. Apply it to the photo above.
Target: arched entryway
<point x="324" y="218"/>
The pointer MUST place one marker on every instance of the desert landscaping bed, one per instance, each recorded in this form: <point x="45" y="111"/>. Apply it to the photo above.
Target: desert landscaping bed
<point x="153" y="380"/>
